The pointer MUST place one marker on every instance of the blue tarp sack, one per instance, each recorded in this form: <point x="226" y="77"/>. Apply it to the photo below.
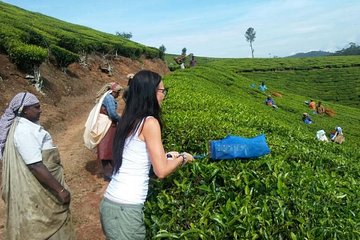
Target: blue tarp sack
<point x="238" y="147"/>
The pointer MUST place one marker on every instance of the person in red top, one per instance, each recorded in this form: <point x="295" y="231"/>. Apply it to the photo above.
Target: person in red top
<point x="312" y="105"/>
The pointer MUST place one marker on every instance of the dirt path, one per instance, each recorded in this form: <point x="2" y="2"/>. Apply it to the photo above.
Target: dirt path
<point x="81" y="171"/>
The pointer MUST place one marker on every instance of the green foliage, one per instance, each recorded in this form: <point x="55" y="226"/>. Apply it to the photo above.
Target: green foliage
<point x="8" y="35"/>
<point x="151" y="53"/>
<point x="352" y="49"/>
<point x="250" y="36"/>
<point x="304" y="189"/>
<point x="35" y="38"/>
<point x="62" y="56"/>
<point x="183" y="51"/>
<point x="26" y="56"/>
<point x="162" y="50"/>
<point x="70" y="43"/>
<point x="127" y="35"/>
<point x="131" y="52"/>
<point x="43" y="31"/>
<point x="333" y="79"/>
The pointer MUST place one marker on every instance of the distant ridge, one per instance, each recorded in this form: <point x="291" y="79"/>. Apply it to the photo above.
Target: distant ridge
<point x="311" y="54"/>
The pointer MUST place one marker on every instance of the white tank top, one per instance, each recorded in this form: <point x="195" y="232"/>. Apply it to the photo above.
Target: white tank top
<point x="130" y="185"/>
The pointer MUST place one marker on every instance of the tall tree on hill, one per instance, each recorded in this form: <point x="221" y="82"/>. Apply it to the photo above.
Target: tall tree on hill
<point x="250" y="35"/>
<point x="183" y="51"/>
<point x="162" y="50"/>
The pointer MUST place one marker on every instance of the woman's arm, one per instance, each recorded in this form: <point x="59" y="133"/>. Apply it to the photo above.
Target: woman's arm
<point x="43" y="175"/>
<point x="162" y="166"/>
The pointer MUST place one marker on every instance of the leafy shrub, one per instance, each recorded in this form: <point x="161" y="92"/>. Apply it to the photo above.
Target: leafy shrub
<point x="34" y="38"/>
<point x="26" y="56"/>
<point x="89" y="46"/>
<point x="173" y="66"/>
<point x="128" y="51"/>
<point x="9" y="34"/>
<point x="103" y="47"/>
<point x="151" y="53"/>
<point x="70" y="43"/>
<point x="62" y="56"/>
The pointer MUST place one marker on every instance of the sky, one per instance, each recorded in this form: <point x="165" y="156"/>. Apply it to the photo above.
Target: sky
<point x="216" y="28"/>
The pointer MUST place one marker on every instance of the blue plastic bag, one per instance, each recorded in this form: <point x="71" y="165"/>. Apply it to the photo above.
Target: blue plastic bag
<point x="238" y="147"/>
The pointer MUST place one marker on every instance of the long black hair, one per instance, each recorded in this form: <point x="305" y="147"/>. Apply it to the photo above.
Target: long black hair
<point x="141" y="101"/>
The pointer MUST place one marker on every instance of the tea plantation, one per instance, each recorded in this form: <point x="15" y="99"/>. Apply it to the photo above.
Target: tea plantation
<point x="30" y="38"/>
<point x="304" y="189"/>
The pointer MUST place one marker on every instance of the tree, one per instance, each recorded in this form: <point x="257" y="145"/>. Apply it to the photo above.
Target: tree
<point x="162" y="50"/>
<point x="352" y="49"/>
<point x="183" y="51"/>
<point x="124" y="35"/>
<point x="250" y="37"/>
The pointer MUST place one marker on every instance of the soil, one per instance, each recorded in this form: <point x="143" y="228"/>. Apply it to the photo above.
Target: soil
<point x="66" y="101"/>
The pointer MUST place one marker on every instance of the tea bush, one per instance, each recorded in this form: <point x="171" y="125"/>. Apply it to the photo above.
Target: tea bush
<point x="26" y="55"/>
<point x="36" y="29"/>
<point x="62" y="56"/>
<point x="304" y="189"/>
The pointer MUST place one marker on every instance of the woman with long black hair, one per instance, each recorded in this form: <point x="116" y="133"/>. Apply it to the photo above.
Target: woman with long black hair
<point x="137" y="146"/>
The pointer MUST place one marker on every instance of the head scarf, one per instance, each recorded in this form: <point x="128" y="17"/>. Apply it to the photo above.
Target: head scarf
<point x="113" y="86"/>
<point x="130" y="76"/>
<point x="15" y="107"/>
<point x="338" y="130"/>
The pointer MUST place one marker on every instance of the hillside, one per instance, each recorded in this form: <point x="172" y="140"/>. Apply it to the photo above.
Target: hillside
<point x="333" y="79"/>
<point x="271" y="197"/>
<point x="303" y="189"/>
<point x="351" y="49"/>
<point x="310" y="54"/>
<point x="30" y="39"/>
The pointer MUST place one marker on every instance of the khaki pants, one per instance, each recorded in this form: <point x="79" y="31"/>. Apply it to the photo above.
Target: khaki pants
<point x="122" y="221"/>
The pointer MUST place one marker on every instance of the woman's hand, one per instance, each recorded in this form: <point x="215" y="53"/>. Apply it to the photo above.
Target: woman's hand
<point x="189" y="157"/>
<point x="64" y="196"/>
<point x="173" y="155"/>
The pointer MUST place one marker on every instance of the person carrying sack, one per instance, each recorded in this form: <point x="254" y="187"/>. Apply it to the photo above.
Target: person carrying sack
<point x="37" y="199"/>
<point x="101" y="124"/>
<point x="337" y="136"/>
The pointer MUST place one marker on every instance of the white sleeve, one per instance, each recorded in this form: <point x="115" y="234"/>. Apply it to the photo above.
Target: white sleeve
<point x="29" y="144"/>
